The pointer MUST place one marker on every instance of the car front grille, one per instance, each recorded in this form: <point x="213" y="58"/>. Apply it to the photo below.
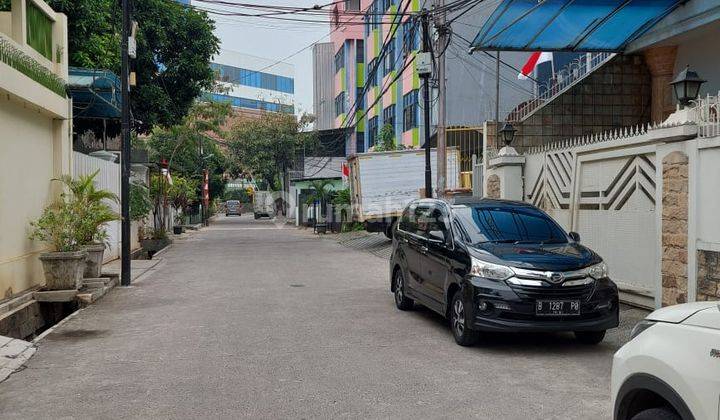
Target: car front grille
<point x="581" y="292"/>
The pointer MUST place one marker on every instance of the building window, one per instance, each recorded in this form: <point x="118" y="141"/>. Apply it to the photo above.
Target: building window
<point x="340" y="104"/>
<point x="372" y="131"/>
<point x="360" y="51"/>
<point x="386" y="4"/>
<point x="371" y="77"/>
<point x="390" y="57"/>
<point x="389" y="116"/>
<point x="352" y="5"/>
<point x="410" y="109"/>
<point x="360" y="142"/>
<point x="340" y="59"/>
<point x="253" y="78"/>
<point x="410" y="37"/>
<point x="360" y="98"/>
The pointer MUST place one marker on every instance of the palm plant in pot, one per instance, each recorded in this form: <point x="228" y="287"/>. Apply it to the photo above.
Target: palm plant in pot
<point x="58" y="226"/>
<point x="94" y="213"/>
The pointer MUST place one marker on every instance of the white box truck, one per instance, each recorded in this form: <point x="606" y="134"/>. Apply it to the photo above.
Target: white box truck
<point x="383" y="183"/>
<point x="263" y="204"/>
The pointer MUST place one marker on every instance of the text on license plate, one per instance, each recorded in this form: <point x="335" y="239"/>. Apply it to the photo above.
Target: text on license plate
<point x="557" y="307"/>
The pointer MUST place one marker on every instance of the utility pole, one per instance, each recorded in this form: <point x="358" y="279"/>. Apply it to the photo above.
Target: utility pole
<point x="126" y="150"/>
<point x="426" y="102"/>
<point x="441" y="123"/>
<point x="497" y="98"/>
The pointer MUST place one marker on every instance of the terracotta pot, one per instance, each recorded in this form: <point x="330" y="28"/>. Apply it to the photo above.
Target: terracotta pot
<point x="93" y="268"/>
<point x="63" y="270"/>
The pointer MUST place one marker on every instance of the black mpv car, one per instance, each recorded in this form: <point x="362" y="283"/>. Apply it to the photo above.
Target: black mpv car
<point x="495" y="265"/>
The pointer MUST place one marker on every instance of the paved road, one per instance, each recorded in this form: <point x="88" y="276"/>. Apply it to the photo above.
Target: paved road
<point x="245" y="319"/>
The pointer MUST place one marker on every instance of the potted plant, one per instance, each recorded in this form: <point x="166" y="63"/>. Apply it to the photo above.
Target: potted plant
<point x="93" y="212"/>
<point x="180" y="194"/>
<point x="58" y="226"/>
<point x="154" y="240"/>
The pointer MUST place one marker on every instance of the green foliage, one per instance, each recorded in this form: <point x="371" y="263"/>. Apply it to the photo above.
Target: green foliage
<point x="77" y="217"/>
<point x="39" y="31"/>
<point x="58" y="226"/>
<point x="140" y="203"/>
<point x="386" y="141"/>
<point x="174" y="44"/>
<point x="92" y="209"/>
<point x="26" y="65"/>
<point x="182" y="192"/>
<point x="267" y="146"/>
<point x="4" y="5"/>
<point x="322" y="191"/>
<point x="342" y="197"/>
<point x="237" y="194"/>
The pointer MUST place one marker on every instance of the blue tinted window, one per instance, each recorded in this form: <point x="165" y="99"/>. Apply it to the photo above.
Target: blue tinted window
<point x="254" y="78"/>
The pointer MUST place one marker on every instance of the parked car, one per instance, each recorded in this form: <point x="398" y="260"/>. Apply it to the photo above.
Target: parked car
<point x="232" y="207"/>
<point x="495" y="265"/>
<point x="670" y="368"/>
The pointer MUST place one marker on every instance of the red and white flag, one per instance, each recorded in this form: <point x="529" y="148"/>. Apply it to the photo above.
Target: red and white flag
<point x="533" y="61"/>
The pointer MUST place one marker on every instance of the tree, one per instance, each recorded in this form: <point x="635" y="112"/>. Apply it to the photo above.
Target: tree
<point x="181" y="193"/>
<point x="266" y="147"/>
<point x="386" y="141"/>
<point x="174" y="45"/>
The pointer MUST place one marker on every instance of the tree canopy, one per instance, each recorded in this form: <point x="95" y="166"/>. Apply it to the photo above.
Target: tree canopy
<point x="265" y="147"/>
<point x="174" y="47"/>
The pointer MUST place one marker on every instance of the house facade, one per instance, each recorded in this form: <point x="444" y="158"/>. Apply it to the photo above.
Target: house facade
<point x="36" y="144"/>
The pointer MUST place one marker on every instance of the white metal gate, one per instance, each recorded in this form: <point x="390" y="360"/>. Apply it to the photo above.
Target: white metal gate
<point x="108" y="179"/>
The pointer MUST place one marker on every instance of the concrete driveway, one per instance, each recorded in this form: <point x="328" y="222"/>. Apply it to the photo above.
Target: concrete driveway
<point x="247" y="319"/>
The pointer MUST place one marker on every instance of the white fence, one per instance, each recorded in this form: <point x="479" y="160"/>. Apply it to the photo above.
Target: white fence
<point x="108" y="178"/>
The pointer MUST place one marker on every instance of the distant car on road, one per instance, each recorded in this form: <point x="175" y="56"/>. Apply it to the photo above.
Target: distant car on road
<point x="495" y="265"/>
<point x="670" y="368"/>
<point x="232" y="207"/>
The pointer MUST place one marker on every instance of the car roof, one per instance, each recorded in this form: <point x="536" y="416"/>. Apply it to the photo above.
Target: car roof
<point x="469" y="201"/>
<point x="679" y="313"/>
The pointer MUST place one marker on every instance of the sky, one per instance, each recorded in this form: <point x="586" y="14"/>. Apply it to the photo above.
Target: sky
<point x="275" y="40"/>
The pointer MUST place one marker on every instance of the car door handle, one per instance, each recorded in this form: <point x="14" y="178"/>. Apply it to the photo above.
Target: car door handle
<point x="423" y="249"/>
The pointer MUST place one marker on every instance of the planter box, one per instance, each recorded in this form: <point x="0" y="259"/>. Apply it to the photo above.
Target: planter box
<point x="63" y="270"/>
<point x="154" y="245"/>
<point x="94" y="261"/>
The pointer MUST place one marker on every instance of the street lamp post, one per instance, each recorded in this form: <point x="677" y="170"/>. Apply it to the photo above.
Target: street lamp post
<point x="126" y="149"/>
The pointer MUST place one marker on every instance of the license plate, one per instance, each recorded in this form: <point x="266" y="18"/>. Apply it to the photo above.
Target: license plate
<point x="557" y="307"/>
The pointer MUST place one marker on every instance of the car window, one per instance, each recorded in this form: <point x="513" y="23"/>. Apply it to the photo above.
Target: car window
<point x="408" y="221"/>
<point x="422" y="215"/>
<point x="508" y="224"/>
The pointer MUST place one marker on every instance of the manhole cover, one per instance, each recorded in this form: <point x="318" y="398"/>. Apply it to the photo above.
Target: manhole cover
<point x="297" y="285"/>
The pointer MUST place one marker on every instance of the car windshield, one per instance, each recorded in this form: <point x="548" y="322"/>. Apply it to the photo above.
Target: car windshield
<point x="508" y="225"/>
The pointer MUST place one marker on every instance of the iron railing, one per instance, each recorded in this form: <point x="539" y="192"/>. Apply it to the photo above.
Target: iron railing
<point x="571" y="74"/>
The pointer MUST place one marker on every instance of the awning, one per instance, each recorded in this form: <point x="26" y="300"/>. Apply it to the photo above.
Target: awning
<point x="569" y="25"/>
<point x="95" y="93"/>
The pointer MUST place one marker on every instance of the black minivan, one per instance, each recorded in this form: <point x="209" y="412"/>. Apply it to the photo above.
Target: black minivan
<point x="496" y="265"/>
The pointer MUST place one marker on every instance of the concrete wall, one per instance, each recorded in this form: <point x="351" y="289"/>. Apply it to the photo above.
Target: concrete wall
<point x="35" y="147"/>
<point x="323" y="85"/>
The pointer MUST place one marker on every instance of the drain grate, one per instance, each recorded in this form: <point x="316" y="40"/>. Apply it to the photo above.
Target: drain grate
<point x="297" y="285"/>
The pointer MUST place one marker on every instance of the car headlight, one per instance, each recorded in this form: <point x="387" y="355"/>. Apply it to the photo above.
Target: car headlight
<point x="490" y="271"/>
<point x="598" y="271"/>
<point x="640" y="327"/>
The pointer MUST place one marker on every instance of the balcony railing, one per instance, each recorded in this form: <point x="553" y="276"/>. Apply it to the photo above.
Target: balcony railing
<point x="571" y="74"/>
<point x="707" y="115"/>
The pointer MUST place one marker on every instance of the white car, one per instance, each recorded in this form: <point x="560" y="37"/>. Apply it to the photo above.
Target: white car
<point x="670" y="369"/>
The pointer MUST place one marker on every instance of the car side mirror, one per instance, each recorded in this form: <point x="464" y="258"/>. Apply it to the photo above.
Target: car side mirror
<point x="574" y="236"/>
<point x="436" y="237"/>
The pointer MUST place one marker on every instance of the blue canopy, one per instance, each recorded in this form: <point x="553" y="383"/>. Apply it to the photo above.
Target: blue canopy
<point x="95" y="93"/>
<point x="569" y="25"/>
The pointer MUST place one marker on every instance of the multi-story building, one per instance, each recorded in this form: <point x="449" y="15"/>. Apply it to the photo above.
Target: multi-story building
<point x="376" y="79"/>
<point x="254" y="84"/>
<point x="324" y="85"/>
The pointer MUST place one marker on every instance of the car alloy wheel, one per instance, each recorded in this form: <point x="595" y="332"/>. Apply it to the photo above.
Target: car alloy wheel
<point x="401" y="300"/>
<point x="463" y="333"/>
<point x="458" y="318"/>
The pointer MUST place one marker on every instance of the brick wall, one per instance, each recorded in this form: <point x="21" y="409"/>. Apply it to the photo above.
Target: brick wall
<point x="708" y="275"/>
<point x="674" y="228"/>
<point x="616" y="95"/>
